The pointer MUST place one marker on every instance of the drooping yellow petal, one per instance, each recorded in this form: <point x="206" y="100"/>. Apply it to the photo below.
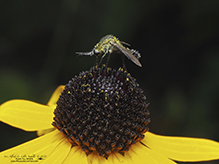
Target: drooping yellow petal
<point x="142" y="154"/>
<point x="76" y="156"/>
<point x="26" y="115"/>
<point x="55" y="96"/>
<point x="94" y="158"/>
<point x="44" y="147"/>
<point x="183" y="148"/>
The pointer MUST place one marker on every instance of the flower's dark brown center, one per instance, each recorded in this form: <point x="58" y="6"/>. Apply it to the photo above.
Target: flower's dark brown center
<point x="102" y="110"/>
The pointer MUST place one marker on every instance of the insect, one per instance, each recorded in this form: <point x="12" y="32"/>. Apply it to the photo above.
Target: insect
<point x="109" y="44"/>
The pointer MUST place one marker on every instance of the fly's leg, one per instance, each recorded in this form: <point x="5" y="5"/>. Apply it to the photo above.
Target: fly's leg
<point x="102" y="57"/>
<point x="123" y="62"/>
<point x="108" y="60"/>
<point x="96" y="62"/>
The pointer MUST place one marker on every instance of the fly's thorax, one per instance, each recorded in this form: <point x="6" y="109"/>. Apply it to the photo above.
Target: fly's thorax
<point x="108" y="37"/>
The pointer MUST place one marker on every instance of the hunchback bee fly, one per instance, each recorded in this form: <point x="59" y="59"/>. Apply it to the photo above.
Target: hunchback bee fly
<point x="109" y="44"/>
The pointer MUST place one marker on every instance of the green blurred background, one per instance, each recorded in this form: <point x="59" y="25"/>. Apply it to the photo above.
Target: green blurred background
<point x="178" y="42"/>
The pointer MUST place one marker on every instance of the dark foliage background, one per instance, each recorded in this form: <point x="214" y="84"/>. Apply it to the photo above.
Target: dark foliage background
<point x="178" y="41"/>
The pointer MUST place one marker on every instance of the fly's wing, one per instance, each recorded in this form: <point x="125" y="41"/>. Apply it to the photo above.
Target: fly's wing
<point x="127" y="53"/>
<point x="135" y="53"/>
<point x="125" y="43"/>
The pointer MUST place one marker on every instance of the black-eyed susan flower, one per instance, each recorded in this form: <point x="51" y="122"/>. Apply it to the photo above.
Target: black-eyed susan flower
<point x="99" y="117"/>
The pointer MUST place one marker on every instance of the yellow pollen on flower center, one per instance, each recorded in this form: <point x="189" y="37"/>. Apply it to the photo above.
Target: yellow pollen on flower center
<point x="102" y="110"/>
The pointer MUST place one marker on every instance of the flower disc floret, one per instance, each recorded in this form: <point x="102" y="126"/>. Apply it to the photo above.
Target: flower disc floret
<point x="102" y="110"/>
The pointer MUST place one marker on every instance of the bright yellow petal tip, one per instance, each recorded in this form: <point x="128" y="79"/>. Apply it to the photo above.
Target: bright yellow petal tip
<point x="28" y="115"/>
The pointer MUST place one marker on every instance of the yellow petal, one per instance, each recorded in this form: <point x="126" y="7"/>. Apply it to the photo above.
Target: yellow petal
<point x="142" y="154"/>
<point x="44" y="146"/>
<point x="116" y="158"/>
<point x="44" y="131"/>
<point x="94" y="158"/>
<point x="55" y="96"/>
<point x="26" y="115"/>
<point x="132" y="157"/>
<point x="52" y="103"/>
<point x="76" y="156"/>
<point x="139" y="153"/>
<point x="58" y="154"/>
<point x="183" y="148"/>
<point x="36" y="144"/>
<point x="128" y="158"/>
